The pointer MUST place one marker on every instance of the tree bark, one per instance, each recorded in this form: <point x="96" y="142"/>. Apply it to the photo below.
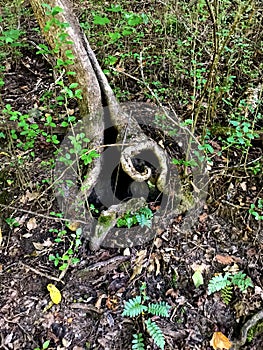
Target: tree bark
<point x="97" y="94"/>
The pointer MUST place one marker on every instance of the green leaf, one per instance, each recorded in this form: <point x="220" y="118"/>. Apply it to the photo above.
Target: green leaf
<point x="69" y="54"/>
<point x="217" y="283"/>
<point x="114" y="37"/>
<point x="198" y="278"/>
<point x="63" y="267"/>
<point x="114" y="8"/>
<point x="156" y="333"/>
<point x="242" y="281"/>
<point x="159" y="309"/>
<point x="78" y="94"/>
<point x="133" y="19"/>
<point x="138" y="342"/>
<point x="45" y="344"/>
<point x="226" y="294"/>
<point x="127" y="31"/>
<point x="73" y="85"/>
<point x="133" y="307"/>
<point x="56" y="10"/>
<point x="143" y="220"/>
<point x="100" y="20"/>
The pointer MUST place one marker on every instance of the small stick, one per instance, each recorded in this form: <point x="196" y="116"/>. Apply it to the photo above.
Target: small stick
<point x="41" y="273"/>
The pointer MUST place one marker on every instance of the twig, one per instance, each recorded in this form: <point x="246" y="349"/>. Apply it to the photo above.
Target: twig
<point x="41" y="273"/>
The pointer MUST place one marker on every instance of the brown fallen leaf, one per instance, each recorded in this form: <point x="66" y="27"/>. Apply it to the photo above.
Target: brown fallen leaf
<point x="219" y="341"/>
<point x="139" y="262"/>
<point x="203" y="217"/>
<point x="172" y="292"/>
<point x="224" y="259"/>
<point x="31" y="224"/>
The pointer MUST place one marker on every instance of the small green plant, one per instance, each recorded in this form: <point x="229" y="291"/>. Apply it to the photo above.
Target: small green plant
<point x="12" y="222"/>
<point x="67" y="258"/>
<point x="225" y="284"/>
<point x="10" y="41"/>
<point x="45" y="345"/>
<point x="257" y="210"/>
<point x="143" y="217"/>
<point x="136" y="307"/>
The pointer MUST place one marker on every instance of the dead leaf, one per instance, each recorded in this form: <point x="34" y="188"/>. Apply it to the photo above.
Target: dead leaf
<point x="202" y="218"/>
<point x="243" y="185"/>
<point x="258" y="291"/>
<point x="154" y="264"/>
<point x="31" y="224"/>
<point x="224" y="259"/>
<point x="219" y="341"/>
<point x="98" y="302"/>
<point x="139" y="261"/>
<point x="42" y="246"/>
<point x="66" y="343"/>
<point x="112" y="303"/>
<point x="29" y="196"/>
<point x="172" y="292"/>
<point x="27" y="235"/>
<point x="127" y="252"/>
<point x="73" y="226"/>
<point x="200" y="267"/>
<point x="158" y="242"/>
<point x="232" y="269"/>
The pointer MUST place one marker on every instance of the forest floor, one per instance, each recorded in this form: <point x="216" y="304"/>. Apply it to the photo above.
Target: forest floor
<point x="224" y="238"/>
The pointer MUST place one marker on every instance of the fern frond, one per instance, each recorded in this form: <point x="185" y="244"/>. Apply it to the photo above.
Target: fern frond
<point x="241" y="281"/>
<point x="138" y="342"/>
<point x="217" y="283"/>
<point x="226" y="294"/>
<point x="133" y="307"/>
<point x="147" y="212"/>
<point x="156" y="333"/>
<point x="159" y="309"/>
<point x="143" y="220"/>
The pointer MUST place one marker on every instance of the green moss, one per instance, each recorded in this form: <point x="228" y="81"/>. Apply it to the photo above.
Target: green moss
<point x="255" y="331"/>
<point x="106" y="220"/>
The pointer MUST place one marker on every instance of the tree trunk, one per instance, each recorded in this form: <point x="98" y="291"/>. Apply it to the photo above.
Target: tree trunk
<point x="130" y="140"/>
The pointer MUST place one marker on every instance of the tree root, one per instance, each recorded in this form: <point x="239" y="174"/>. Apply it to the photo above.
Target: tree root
<point x="237" y="344"/>
<point x="99" y="110"/>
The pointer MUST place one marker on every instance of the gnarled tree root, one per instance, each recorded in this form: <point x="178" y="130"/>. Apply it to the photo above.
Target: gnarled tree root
<point x="237" y="344"/>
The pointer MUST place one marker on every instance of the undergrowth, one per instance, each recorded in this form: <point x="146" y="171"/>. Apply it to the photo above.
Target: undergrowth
<point x="140" y="307"/>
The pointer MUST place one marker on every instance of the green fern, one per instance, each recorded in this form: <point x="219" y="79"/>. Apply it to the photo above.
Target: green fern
<point x="138" y="342"/>
<point x="159" y="309"/>
<point x="241" y="281"/>
<point x="226" y="294"/>
<point x="225" y="284"/>
<point x="143" y="220"/>
<point x="134" y="307"/>
<point x="156" y="333"/>
<point x="143" y="217"/>
<point x="218" y="282"/>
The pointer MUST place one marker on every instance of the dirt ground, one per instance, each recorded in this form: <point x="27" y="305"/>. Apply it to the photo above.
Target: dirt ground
<point x="89" y="316"/>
